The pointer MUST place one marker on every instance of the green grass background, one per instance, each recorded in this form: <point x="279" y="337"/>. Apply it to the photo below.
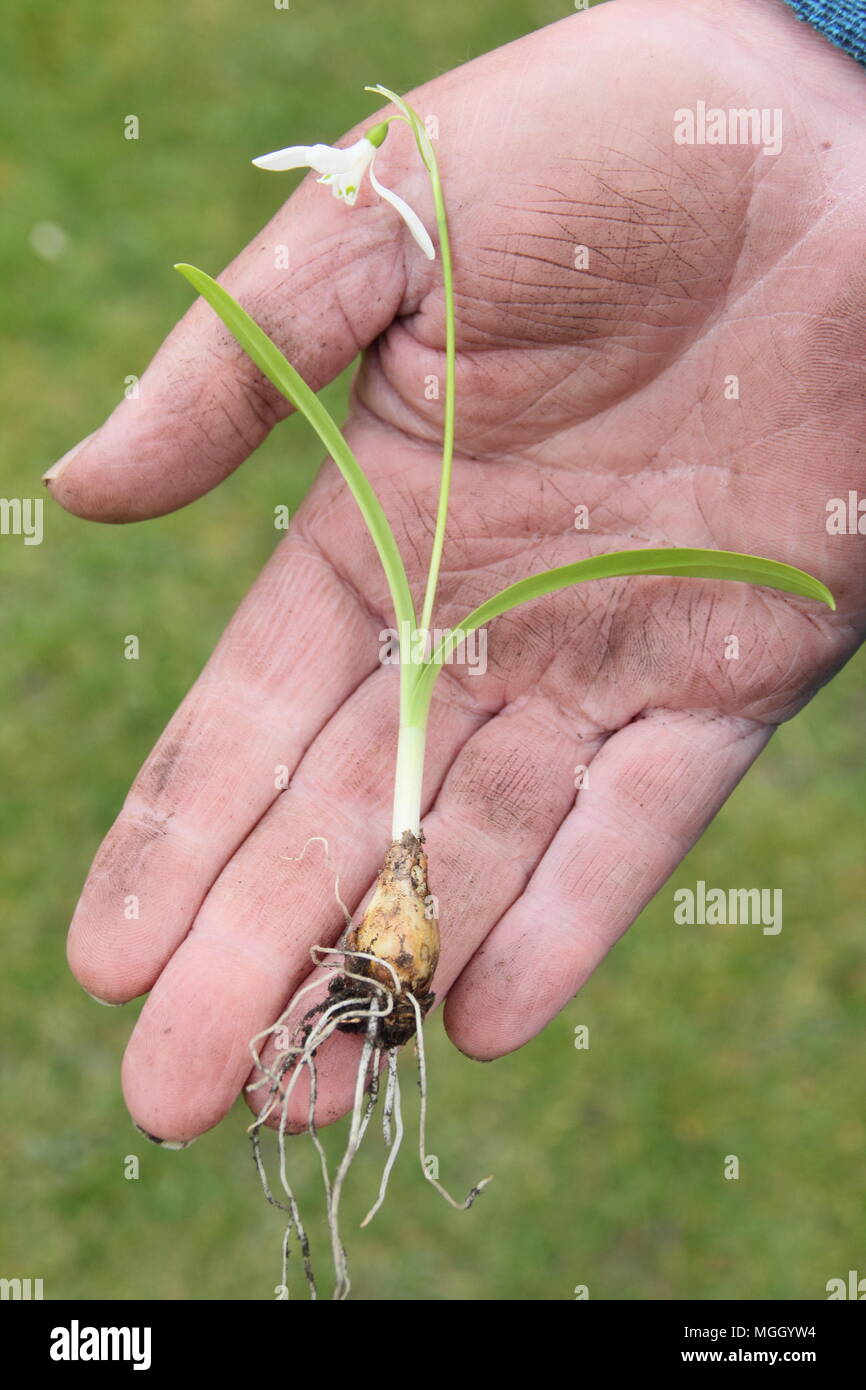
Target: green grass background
<point x="704" y="1042"/>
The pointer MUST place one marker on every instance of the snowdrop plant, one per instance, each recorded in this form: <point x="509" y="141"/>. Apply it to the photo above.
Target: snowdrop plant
<point x="381" y="976"/>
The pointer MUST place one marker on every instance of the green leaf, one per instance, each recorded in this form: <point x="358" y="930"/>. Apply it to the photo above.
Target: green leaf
<point x="279" y="370"/>
<point x="678" y="563"/>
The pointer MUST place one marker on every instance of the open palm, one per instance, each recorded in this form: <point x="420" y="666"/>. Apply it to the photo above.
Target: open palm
<point x="694" y="378"/>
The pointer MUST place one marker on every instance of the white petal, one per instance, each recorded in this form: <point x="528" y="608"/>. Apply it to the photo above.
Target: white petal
<point x="293" y="157"/>
<point x="347" y="181"/>
<point x="325" y="159"/>
<point x="412" y="220"/>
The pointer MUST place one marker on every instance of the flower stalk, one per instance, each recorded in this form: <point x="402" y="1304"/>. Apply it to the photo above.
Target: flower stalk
<point x="412" y="736"/>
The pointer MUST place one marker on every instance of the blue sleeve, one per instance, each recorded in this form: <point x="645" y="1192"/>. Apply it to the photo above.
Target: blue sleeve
<point x="843" y="22"/>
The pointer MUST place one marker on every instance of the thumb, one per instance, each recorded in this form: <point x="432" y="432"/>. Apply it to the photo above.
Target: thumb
<point x="202" y="406"/>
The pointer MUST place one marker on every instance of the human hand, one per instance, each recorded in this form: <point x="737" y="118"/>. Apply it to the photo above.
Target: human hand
<point x="602" y="388"/>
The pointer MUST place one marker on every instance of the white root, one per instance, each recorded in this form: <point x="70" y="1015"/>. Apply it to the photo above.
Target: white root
<point x="357" y="1127"/>
<point x="390" y="1094"/>
<point x="422" y="1121"/>
<point x="392" y="1107"/>
<point x="355" y="1008"/>
<point x="293" y="1223"/>
<point x="278" y="1026"/>
<point x="372" y="1001"/>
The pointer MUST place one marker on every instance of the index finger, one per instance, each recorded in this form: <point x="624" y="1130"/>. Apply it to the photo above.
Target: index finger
<point x="322" y="279"/>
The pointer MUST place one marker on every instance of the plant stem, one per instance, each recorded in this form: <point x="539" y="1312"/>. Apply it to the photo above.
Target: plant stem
<point x="412" y="737"/>
<point x="448" y="429"/>
<point x="408" y="778"/>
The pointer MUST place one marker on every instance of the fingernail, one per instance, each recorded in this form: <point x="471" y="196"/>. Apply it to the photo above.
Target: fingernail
<point x="165" y="1143"/>
<point x="57" y="468"/>
<point x="106" y="1003"/>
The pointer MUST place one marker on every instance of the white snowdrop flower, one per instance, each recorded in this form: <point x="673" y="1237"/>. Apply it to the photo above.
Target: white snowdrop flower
<point x="344" y="170"/>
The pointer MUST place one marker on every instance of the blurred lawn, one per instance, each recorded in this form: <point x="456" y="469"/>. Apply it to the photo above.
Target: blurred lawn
<point x="704" y="1042"/>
